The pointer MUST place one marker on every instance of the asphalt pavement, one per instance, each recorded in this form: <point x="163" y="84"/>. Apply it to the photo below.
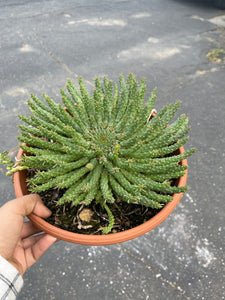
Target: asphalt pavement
<point x="42" y="43"/>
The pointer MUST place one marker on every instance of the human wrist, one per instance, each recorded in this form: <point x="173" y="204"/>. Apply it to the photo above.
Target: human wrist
<point x="17" y="265"/>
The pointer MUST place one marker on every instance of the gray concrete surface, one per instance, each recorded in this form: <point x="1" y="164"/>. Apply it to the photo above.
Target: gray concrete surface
<point x="42" y="44"/>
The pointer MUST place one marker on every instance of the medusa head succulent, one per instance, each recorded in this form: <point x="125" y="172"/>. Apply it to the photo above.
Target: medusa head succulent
<point x="104" y="147"/>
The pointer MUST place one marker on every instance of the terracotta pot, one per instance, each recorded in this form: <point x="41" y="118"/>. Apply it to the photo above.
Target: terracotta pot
<point x="20" y="187"/>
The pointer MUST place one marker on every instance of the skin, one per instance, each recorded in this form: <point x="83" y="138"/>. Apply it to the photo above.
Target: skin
<point x="18" y="243"/>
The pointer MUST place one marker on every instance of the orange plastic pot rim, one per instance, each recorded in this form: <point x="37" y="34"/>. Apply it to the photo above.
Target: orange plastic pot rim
<point x="98" y="240"/>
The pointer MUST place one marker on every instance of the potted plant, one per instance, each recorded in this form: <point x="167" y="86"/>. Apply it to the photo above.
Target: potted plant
<point x="106" y="166"/>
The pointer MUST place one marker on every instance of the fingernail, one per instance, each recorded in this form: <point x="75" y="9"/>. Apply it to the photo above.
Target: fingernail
<point x="52" y="238"/>
<point x="48" y="210"/>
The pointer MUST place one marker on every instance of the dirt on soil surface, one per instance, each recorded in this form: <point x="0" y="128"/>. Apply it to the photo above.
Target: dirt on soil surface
<point x="93" y="218"/>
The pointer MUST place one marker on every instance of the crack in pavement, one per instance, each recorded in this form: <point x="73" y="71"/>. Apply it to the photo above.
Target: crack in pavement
<point x="63" y="65"/>
<point x="157" y="276"/>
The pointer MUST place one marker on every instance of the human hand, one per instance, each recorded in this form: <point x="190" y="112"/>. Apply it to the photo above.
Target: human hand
<point x="17" y="243"/>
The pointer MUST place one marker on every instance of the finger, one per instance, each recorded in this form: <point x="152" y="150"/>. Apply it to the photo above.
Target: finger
<point x="28" y="230"/>
<point x="38" y="249"/>
<point x="30" y="241"/>
<point x="27" y="204"/>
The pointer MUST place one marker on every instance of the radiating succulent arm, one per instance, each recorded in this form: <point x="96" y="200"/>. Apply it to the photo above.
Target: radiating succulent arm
<point x="88" y="103"/>
<point x="79" y="105"/>
<point x="111" y="220"/>
<point x="105" y="188"/>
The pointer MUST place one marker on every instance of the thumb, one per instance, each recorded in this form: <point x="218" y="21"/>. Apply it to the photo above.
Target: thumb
<point x="29" y="204"/>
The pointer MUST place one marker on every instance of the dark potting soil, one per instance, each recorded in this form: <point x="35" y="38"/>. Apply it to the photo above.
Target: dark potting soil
<point x="92" y="218"/>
